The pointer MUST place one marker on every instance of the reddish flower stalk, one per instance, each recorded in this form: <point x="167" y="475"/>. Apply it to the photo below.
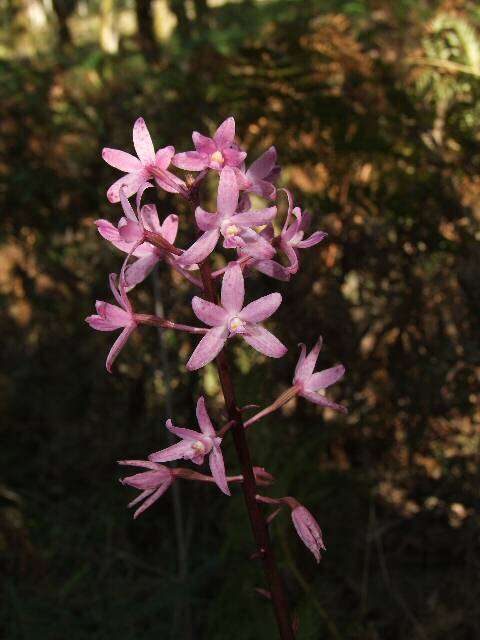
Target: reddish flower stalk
<point x="257" y="521"/>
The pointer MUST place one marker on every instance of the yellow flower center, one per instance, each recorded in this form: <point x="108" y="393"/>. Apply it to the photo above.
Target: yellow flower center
<point x="231" y="230"/>
<point x="236" y="323"/>
<point x="198" y="447"/>
<point x="218" y="157"/>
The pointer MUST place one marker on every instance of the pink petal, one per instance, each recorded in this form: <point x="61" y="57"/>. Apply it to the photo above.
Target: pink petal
<point x="153" y="498"/>
<point x="305" y="370"/>
<point x="292" y="257"/>
<point x="225" y="133"/>
<point x="169" y="228"/>
<point x="149" y="217"/>
<point x="233" y="289"/>
<point x="144" y="463"/>
<point x="316" y="398"/>
<point x="314" y="239"/>
<point x="308" y="530"/>
<point x="233" y="158"/>
<point x="261" y="309"/>
<point x="263" y="165"/>
<point x="256" y="246"/>
<point x="108" y="231"/>
<point x="143" y="142"/>
<point x="164" y="156"/>
<point x="139" y="270"/>
<point x="182" y="432"/>
<point x="203" y="144"/>
<point x="272" y="269"/>
<point x="169" y="182"/>
<point x="178" y="451"/>
<point x="217" y="467"/>
<point x="209" y="313"/>
<point x="118" y="346"/>
<point x="265" y="342"/>
<point x="301" y="360"/>
<point x="326" y="378"/>
<point x="227" y="198"/>
<point x="130" y="183"/>
<point x="264" y="188"/>
<point x="121" y="160"/>
<point x="205" y="220"/>
<point x="255" y="218"/>
<point x="203" y="418"/>
<point x="208" y="348"/>
<point x="190" y="160"/>
<point x="200" y="249"/>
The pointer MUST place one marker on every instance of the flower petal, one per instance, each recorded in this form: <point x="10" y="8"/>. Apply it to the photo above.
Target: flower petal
<point x="265" y="342"/>
<point x="255" y="218"/>
<point x="272" y="269"/>
<point x="217" y="467"/>
<point x="261" y="309"/>
<point x="233" y="157"/>
<point x="263" y="165"/>
<point x="200" y="249"/>
<point x="205" y="220"/>
<point x="143" y="142"/>
<point x="311" y="241"/>
<point x="208" y="348"/>
<point x="208" y="312"/>
<point x="317" y="398"/>
<point x="169" y="228"/>
<point x="139" y="270"/>
<point x="305" y="370"/>
<point x="227" y="198"/>
<point x="118" y="346"/>
<point x="164" y="156"/>
<point x="190" y="161"/>
<point x="182" y="432"/>
<point x="130" y="183"/>
<point x="149" y="217"/>
<point x="203" y="144"/>
<point x="121" y="160"/>
<point x="233" y="288"/>
<point x="203" y="418"/>
<point x="180" y="450"/>
<point x="326" y="378"/>
<point x="153" y="498"/>
<point x="225" y="133"/>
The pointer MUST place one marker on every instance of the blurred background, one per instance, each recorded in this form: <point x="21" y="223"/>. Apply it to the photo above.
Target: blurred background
<point x="374" y="109"/>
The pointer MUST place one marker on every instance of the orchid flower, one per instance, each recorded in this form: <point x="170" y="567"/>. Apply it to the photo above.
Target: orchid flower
<point x="308" y="530"/>
<point x="110" y="317"/>
<point x="212" y="153"/>
<point x="308" y="383"/>
<point x="232" y="318"/>
<point x="195" y="446"/>
<point x="236" y="228"/>
<point x="292" y="235"/>
<point x="268" y="267"/>
<point x="139" y="169"/>
<point x="130" y="230"/>
<point x="261" y="174"/>
<point x="152" y="483"/>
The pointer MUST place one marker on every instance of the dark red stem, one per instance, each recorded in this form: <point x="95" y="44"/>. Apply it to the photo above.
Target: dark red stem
<point x="257" y="521"/>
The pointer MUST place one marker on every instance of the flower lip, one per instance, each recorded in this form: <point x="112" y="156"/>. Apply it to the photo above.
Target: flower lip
<point x="236" y="325"/>
<point x="217" y="157"/>
<point x="199" y="447"/>
<point x="231" y="230"/>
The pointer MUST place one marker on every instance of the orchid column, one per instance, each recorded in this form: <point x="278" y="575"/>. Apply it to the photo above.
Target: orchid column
<point x="250" y="244"/>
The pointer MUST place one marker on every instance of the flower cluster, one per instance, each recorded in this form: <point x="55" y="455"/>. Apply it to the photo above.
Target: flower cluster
<point x="249" y="239"/>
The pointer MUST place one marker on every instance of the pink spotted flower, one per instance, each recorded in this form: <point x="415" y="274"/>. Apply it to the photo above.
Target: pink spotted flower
<point x="292" y="237"/>
<point x="309" y="384"/>
<point x="152" y="483"/>
<point x="308" y="529"/>
<point x="110" y="317"/>
<point x="231" y="318"/>
<point x="212" y="153"/>
<point x="236" y="228"/>
<point x="148" y="165"/>
<point x="129" y="231"/>
<point x="196" y="445"/>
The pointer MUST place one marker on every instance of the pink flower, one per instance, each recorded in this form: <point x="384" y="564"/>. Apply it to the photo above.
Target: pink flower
<point x="213" y="153"/>
<point x="268" y="267"/>
<point x="110" y="317"/>
<point x="236" y="228"/>
<point x="308" y="530"/>
<point x="292" y="235"/>
<point x="261" y="174"/>
<point x="308" y="383"/>
<point x="152" y="484"/>
<point x="138" y="170"/>
<point x="232" y="318"/>
<point x="130" y="230"/>
<point x="195" y="446"/>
